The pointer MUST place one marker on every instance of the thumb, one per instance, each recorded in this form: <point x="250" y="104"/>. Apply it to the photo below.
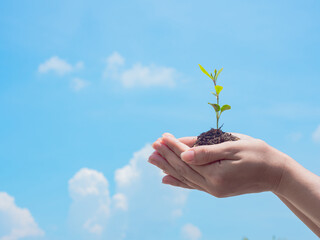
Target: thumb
<point x="208" y="154"/>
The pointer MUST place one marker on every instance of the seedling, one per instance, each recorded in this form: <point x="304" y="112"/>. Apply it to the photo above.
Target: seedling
<point x="219" y="110"/>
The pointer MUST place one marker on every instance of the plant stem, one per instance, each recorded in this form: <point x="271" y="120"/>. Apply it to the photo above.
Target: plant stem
<point x="217" y="120"/>
<point x="217" y="112"/>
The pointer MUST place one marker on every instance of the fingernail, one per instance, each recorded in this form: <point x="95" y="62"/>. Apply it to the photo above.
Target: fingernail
<point x="168" y="135"/>
<point x="156" y="145"/>
<point x="164" y="181"/>
<point x="187" y="156"/>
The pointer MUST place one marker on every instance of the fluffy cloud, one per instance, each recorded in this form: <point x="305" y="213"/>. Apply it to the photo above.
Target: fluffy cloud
<point x="90" y="210"/>
<point x="139" y="75"/>
<point x="139" y="200"/>
<point x="77" y="84"/>
<point x="316" y="134"/>
<point x="88" y="182"/>
<point x="58" y="66"/>
<point x="128" y="174"/>
<point x="141" y="183"/>
<point x="146" y="76"/>
<point x="191" y="232"/>
<point x="120" y="201"/>
<point x="114" y="61"/>
<point x="16" y="222"/>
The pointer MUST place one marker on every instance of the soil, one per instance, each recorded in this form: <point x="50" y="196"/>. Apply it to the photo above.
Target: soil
<point x="214" y="136"/>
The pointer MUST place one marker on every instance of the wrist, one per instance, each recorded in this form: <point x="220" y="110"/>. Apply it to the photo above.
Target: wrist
<point x="288" y="177"/>
<point x="281" y="166"/>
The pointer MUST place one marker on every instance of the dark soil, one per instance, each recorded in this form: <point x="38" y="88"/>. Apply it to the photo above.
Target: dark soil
<point x="214" y="136"/>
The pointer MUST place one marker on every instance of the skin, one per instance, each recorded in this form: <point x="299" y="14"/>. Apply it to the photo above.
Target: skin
<point x="245" y="166"/>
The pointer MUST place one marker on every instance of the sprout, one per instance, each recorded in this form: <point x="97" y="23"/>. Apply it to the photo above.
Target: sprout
<point x="218" y="89"/>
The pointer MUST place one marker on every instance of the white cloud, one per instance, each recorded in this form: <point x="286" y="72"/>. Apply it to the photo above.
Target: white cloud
<point x="114" y="64"/>
<point x="120" y="201"/>
<point x="139" y="75"/>
<point x="58" y="66"/>
<point x="90" y="208"/>
<point x="115" y="60"/>
<point x="88" y="182"/>
<point x="141" y="183"/>
<point x="191" y="232"/>
<point x="146" y="76"/>
<point x="128" y="174"/>
<point x="77" y="84"/>
<point x="16" y="222"/>
<point x="93" y="227"/>
<point x="316" y="134"/>
<point x="140" y="199"/>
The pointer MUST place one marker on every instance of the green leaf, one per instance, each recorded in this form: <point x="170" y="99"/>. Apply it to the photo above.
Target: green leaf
<point x="215" y="106"/>
<point x="204" y="71"/>
<point x="214" y="94"/>
<point x="218" y="89"/>
<point x="225" y="108"/>
<point x="219" y="72"/>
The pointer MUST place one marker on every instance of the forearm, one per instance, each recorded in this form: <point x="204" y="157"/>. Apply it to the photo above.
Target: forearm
<point x="302" y="189"/>
<point x="313" y="227"/>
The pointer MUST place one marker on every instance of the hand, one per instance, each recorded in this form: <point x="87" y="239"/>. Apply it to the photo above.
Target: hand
<point x="173" y="177"/>
<point x="228" y="169"/>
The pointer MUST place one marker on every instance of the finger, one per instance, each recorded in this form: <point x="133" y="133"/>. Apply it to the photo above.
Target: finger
<point x="178" y="148"/>
<point x="211" y="153"/>
<point x="174" y="144"/>
<point x="168" y="179"/>
<point x="242" y="136"/>
<point x="189" y="141"/>
<point x="157" y="160"/>
<point x="181" y="167"/>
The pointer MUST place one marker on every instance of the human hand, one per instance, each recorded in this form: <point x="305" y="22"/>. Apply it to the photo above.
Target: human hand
<point x="228" y="169"/>
<point x="173" y="176"/>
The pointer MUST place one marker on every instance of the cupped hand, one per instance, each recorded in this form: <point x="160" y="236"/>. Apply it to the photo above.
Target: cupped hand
<point x="248" y="165"/>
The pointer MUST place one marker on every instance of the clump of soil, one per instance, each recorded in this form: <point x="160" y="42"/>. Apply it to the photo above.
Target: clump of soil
<point x="214" y="136"/>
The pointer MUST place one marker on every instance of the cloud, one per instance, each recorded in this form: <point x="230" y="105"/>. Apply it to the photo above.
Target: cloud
<point x="146" y="76"/>
<point x="121" y="201"/>
<point x="77" y="84"/>
<point x="58" y="66"/>
<point x="90" y="209"/>
<point x="16" y="222"/>
<point x="139" y="200"/>
<point x="139" y="75"/>
<point x="128" y="174"/>
<point x="141" y="183"/>
<point x="88" y="182"/>
<point x="115" y="60"/>
<point x="191" y="232"/>
<point x="316" y="134"/>
<point x="176" y="213"/>
<point x="114" y="66"/>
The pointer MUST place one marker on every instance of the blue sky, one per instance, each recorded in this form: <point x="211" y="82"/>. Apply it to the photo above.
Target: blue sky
<point x="86" y="86"/>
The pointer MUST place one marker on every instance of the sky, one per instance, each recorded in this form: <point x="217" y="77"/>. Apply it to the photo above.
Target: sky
<point x="87" y="86"/>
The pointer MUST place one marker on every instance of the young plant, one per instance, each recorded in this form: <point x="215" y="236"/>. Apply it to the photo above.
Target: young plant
<point x="218" y="89"/>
